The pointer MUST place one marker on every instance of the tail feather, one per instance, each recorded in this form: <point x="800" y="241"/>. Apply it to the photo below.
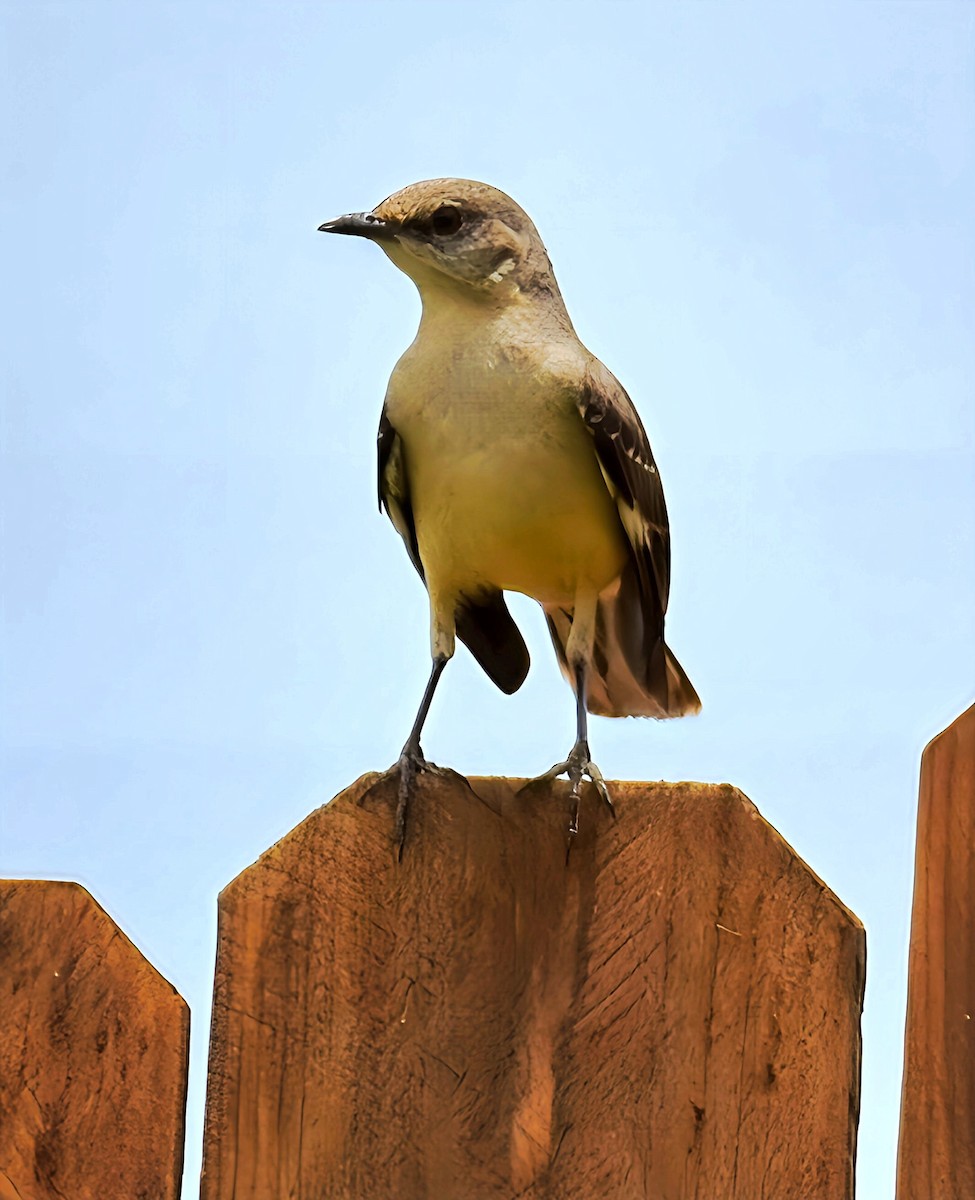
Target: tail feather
<point x="632" y="672"/>
<point x="488" y="630"/>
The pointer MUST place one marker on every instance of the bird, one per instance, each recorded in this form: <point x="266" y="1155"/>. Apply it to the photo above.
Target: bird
<point x="510" y="459"/>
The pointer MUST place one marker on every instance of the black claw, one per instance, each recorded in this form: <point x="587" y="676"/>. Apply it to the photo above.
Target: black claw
<point x="406" y="777"/>
<point x="578" y="766"/>
<point x="411" y="762"/>
<point x="574" y="817"/>
<point x="604" y="795"/>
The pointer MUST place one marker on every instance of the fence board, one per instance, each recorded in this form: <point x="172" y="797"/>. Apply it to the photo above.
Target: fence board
<point x="93" y="1054"/>
<point x="672" y="1013"/>
<point x="936" y="1150"/>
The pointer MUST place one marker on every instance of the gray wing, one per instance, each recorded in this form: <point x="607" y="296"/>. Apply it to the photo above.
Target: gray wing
<point x="394" y="489"/>
<point x="631" y="474"/>
<point x="632" y="671"/>
<point x="484" y="623"/>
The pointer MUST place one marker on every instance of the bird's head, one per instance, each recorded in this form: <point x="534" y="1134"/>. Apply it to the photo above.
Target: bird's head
<point x="457" y="235"/>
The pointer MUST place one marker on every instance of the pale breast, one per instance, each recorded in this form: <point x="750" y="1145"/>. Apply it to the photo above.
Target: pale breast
<point x="504" y="482"/>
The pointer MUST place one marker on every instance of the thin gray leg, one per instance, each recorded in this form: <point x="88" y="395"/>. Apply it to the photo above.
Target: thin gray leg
<point x="411" y="760"/>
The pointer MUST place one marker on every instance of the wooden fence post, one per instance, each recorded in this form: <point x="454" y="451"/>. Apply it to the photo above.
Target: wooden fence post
<point x="672" y="1013"/>
<point x="93" y="1054"/>
<point x="936" y="1150"/>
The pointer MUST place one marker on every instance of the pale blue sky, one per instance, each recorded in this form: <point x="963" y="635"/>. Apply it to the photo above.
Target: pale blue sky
<point x="760" y="216"/>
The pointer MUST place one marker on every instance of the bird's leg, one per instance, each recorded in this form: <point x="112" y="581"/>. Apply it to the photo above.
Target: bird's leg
<point x="579" y="764"/>
<point x="411" y="760"/>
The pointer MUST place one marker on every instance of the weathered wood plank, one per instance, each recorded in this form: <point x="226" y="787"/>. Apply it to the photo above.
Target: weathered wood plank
<point x="936" y="1150"/>
<point x="93" y="1054"/>
<point x="672" y="1013"/>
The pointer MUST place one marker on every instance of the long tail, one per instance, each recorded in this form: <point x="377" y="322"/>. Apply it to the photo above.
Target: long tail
<point x="632" y="672"/>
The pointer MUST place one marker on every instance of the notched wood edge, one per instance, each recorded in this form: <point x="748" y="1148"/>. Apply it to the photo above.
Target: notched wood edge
<point x="80" y="893"/>
<point x="485" y="788"/>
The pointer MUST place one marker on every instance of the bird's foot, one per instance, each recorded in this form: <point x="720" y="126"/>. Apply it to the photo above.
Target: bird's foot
<point x="409" y="764"/>
<point x="579" y="766"/>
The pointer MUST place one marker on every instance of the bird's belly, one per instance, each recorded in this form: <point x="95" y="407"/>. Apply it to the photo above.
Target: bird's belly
<point x="532" y="516"/>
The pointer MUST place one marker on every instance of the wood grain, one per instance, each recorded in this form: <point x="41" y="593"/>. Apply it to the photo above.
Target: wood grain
<point x="936" y="1150"/>
<point x="672" y="1013"/>
<point x="93" y="1054"/>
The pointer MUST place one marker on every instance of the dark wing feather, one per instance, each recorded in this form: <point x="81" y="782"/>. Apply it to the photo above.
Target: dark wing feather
<point x="632" y="671"/>
<point x="627" y="462"/>
<point x="488" y="630"/>
<point x="394" y="489"/>
<point x="484" y="623"/>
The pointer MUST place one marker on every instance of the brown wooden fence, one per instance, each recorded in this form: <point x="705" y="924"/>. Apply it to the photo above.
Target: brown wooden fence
<point x="671" y="1012"/>
<point x="93" y="1054"/>
<point x="936" y="1150"/>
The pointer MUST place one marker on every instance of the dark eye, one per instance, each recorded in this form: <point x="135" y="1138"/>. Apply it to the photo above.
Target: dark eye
<point x="446" y="220"/>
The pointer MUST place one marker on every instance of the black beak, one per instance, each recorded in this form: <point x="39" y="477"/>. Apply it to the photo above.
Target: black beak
<point x="364" y="224"/>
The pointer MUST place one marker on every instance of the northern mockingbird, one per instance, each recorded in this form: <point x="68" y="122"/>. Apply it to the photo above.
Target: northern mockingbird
<point x="510" y="459"/>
